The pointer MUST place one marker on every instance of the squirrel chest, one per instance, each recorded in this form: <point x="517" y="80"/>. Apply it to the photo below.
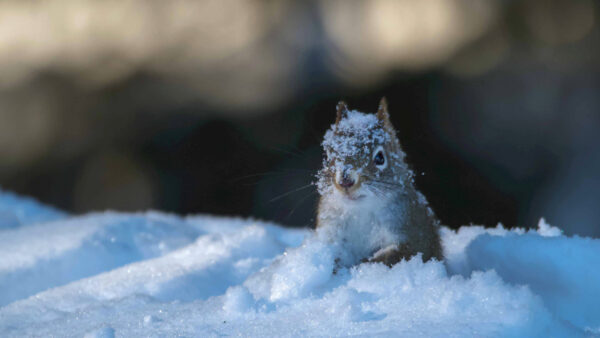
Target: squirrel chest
<point x="363" y="226"/>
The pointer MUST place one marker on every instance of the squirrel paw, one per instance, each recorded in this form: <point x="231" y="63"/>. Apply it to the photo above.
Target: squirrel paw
<point x="389" y="255"/>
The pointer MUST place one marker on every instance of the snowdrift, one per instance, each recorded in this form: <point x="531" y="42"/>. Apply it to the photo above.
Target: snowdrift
<point x="153" y="274"/>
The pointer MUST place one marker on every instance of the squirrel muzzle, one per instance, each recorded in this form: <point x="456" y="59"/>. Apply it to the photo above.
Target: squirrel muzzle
<point x="347" y="181"/>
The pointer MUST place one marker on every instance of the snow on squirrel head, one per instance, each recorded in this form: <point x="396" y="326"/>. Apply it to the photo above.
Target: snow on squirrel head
<point x="363" y="157"/>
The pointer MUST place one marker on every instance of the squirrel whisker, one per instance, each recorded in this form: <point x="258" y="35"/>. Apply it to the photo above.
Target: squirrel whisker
<point x="292" y="172"/>
<point x="386" y="182"/>
<point x="290" y="192"/>
<point x="295" y="153"/>
<point x="300" y="203"/>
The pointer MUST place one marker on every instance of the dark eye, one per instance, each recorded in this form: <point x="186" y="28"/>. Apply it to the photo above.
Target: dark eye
<point x="379" y="159"/>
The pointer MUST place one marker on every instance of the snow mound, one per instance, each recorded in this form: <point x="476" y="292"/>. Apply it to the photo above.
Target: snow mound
<point x="152" y="274"/>
<point x="17" y="211"/>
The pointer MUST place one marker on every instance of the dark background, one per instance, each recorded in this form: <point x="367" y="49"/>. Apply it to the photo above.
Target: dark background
<point x="219" y="106"/>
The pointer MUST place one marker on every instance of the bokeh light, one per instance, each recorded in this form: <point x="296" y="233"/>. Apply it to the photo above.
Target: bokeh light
<point x="219" y="106"/>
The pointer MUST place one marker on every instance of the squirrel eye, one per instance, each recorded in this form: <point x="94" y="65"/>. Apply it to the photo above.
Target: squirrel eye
<point x="379" y="159"/>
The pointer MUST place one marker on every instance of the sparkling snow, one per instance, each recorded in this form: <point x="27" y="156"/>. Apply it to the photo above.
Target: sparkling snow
<point x="353" y="133"/>
<point x="153" y="274"/>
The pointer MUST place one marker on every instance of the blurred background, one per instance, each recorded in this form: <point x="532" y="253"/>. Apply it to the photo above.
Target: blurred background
<point x="219" y="106"/>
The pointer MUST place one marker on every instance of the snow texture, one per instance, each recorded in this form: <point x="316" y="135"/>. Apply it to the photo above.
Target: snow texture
<point x="18" y="211"/>
<point x="153" y="275"/>
<point x="353" y="134"/>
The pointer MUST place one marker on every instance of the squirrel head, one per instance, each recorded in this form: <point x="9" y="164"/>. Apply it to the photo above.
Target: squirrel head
<point x="362" y="154"/>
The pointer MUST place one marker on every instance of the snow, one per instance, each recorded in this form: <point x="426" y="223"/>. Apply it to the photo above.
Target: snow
<point x="353" y="136"/>
<point x="18" y="211"/>
<point x="353" y="132"/>
<point x="153" y="274"/>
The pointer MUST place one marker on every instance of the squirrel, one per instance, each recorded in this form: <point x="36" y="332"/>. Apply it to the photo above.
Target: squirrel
<point x="367" y="192"/>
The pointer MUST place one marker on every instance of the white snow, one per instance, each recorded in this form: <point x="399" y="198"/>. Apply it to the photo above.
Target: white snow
<point x="152" y="274"/>
<point x="353" y="136"/>
<point x="352" y="133"/>
<point x="17" y="211"/>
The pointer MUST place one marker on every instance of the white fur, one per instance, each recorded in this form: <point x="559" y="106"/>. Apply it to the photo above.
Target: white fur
<point x="361" y="226"/>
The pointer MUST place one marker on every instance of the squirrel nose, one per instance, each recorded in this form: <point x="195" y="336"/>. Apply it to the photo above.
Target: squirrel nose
<point x="346" y="182"/>
<point x="346" y="178"/>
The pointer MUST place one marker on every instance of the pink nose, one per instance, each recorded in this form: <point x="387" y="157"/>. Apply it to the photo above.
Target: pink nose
<point x="346" y="182"/>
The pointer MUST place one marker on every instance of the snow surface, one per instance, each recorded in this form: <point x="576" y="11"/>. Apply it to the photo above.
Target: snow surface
<point x="152" y="274"/>
<point x="16" y="211"/>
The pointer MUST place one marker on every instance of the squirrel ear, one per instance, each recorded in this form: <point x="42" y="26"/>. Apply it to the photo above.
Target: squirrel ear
<point x="342" y="111"/>
<point x="382" y="112"/>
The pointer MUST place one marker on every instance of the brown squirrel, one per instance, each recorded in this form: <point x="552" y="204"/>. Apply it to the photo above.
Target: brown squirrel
<point x="368" y="197"/>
